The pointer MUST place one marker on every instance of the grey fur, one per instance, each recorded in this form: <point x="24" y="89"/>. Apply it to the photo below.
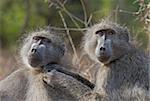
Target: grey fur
<point x="26" y="84"/>
<point x="125" y="78"/>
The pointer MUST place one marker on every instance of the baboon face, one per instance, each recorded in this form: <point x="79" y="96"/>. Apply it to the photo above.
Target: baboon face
<point x="40" y="50"/>
<point x="110" y="45"/>
<point x="106" y="42"/>
<point x="103" y="49"/>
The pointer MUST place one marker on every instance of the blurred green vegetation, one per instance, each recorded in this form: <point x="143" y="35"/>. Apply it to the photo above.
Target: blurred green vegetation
<point x="20" y="16"/>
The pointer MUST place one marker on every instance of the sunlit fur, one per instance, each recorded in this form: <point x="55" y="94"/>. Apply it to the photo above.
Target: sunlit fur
<point x="26" y="83"/>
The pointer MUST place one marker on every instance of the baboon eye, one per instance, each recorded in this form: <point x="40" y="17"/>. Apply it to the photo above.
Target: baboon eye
<point x="111" y="32"/>
<point x="47" y="40"/>
<point x="99" y="32"/>
<point x="36" y="38"/>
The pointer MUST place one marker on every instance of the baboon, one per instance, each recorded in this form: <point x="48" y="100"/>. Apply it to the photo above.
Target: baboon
<point x="124" y="69"/>
<point x="40" y="51"/>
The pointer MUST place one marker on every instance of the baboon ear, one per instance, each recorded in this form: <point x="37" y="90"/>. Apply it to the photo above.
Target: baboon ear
<point x="124" y="34"/>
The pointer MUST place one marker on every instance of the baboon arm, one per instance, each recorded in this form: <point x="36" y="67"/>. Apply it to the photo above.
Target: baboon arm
<point x="66" y="83"/>
<point x="69" y="73"/>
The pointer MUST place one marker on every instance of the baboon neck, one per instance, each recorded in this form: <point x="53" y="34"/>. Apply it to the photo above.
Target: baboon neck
<point x="128" y="71"/>
<point x="36" y="90"/>
<point x="129" y="53"/>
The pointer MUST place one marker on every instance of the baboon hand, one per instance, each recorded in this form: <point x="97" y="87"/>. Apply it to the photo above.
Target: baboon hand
<point x="55" y="78"/>
<point x="49" y="76"/>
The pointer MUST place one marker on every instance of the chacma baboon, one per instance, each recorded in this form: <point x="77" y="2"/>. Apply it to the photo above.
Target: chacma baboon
<point x="124" y="69"/>
<point x="40" y="49"/>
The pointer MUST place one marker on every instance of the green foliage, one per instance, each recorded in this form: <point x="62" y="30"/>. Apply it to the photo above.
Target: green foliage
<point x="11" y="21"/>
<point x="13" y="17"/>
<point x="19" y="16"/>
<point x="106" y="7"/>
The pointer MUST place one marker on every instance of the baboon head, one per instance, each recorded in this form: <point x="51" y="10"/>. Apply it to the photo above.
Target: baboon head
<point x="106" y="42"/>
<point x="41" y="48"/>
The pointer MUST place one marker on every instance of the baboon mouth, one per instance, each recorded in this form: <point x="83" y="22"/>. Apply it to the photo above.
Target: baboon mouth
<point x="103" y="58"/>
<point x="35" y="64"/>
<point x="34" y="61"/>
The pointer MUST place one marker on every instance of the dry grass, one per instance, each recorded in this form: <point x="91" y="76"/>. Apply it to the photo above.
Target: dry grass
<point x="7" y="63"/>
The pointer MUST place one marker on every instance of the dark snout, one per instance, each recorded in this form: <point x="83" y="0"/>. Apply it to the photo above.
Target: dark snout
<point x="33" y="50"/>
<point x="35" y="56"/>
<point x="104" y="53"/>
<point x="102" y="49"/>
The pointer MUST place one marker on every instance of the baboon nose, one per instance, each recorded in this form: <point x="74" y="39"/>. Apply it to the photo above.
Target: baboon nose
<point x="33" y="50"/>
<point x="102" y="49"/>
